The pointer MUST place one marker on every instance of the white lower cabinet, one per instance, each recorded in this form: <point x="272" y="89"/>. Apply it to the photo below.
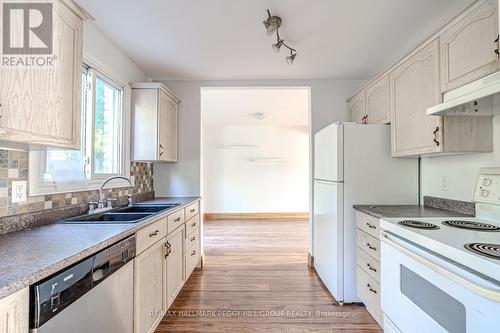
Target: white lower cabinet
<point x="149" y="288"/>
<point x="160" y="265"/>
<point x="14" y="313"/>
<point x="175" y="264"/>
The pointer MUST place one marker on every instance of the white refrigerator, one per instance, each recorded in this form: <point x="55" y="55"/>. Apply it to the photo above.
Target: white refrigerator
<point x="353" y="166"/>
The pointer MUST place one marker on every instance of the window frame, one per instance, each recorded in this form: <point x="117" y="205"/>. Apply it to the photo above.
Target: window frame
<point x="38" y="159"/>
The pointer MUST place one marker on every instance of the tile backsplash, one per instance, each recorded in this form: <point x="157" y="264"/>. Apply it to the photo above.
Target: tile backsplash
<point x="14" y="167"/>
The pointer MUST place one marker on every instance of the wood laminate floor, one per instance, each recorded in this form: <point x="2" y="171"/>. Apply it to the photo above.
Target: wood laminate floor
<point x="256" y="279"/>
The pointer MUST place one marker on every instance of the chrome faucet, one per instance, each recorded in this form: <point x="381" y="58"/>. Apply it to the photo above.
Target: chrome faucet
<point x="100" y="203"/>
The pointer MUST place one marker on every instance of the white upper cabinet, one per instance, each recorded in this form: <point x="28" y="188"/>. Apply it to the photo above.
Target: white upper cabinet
<point x="415" y="87"/>
<point x="154" y="123"/>
<point x="469" y="46"/>
<point x="357" y="108"/>
<point x="377" y="101"/>
<point x="40" y="104"/>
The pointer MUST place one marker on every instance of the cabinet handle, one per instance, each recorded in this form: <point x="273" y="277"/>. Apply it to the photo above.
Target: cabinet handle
<point x="193" y="253"/>
<point x="371" y="247"/>
<point x="370" y="267"/>
<point x="161" y="153"/>
<point x="193" y="239"/>
<point x="161" y="146"/>
<point x="192" y="210"/>
<point x="497" y="46"/>
<point x="436" y="141"/>
<point x="168" y="248"/>
<point x="193" y="224"/>
<point x="370" y="288"/>
<point x="154" y="233"/>
<point x="177" y="219"/>
<point x="364" y="120"/>
<point x="371" y="226"/>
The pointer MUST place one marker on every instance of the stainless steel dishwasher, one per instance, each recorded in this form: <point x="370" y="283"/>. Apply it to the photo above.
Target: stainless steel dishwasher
<point x="94" y="295"/>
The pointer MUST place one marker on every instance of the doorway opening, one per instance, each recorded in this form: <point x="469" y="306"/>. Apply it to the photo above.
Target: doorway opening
<point x="256" y="152"/>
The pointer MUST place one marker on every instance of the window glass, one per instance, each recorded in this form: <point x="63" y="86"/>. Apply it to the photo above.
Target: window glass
<point x="106" y="138"/>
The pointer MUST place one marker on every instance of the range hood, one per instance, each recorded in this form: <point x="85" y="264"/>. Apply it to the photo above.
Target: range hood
<point x="473" y="99"/>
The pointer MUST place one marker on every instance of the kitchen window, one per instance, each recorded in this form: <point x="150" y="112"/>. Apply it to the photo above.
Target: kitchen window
<point x="101" y="153"/>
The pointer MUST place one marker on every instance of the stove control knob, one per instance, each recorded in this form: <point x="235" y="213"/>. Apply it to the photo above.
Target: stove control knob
<point x="485" y="193"/>
<point x="487" y="182"/>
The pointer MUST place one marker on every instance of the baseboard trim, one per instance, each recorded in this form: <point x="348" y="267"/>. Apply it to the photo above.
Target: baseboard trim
<point x="255" y="216"/>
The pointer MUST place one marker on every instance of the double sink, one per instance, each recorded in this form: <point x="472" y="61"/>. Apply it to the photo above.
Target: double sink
<point x="128" y="214"/>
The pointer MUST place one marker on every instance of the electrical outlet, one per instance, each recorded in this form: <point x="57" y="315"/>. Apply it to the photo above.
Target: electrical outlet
<point x="19" y="191"/>
<point x="445" y="183"/>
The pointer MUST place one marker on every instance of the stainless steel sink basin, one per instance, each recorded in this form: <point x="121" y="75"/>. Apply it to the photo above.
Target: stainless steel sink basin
<point x="110" y="217"/>
<point x="132" y="214"/>
<point x="145" y="208"/>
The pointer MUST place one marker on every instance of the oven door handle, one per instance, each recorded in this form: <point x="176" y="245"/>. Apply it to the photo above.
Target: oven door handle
<point x="488" y="293"/>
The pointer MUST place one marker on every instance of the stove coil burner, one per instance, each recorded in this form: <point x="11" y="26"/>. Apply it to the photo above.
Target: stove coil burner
<point x="418" y="224"/>
<point x="471" y="225"/>
<point x="484" y="249"/>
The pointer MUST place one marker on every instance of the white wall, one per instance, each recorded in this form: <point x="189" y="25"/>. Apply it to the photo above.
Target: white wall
<point x="102" y="54"/>
<point x="183" y="178"/>
<point x="460" y="170"/>
<point x="232" y="183"/>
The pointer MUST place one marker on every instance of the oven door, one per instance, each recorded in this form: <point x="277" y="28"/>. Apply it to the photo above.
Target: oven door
<point x="423" y="292"/>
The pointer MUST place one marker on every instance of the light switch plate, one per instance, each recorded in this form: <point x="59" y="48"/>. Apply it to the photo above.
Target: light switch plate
<point x="19" y="191"/>
<point x="445" y="183"/>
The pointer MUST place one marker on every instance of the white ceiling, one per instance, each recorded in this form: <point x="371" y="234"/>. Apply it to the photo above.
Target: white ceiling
<point x="225" y="39"/>
<point x="284" y="107"/>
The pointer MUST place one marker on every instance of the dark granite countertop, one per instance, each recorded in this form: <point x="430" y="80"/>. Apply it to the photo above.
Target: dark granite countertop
<point x="31" y="255"/>
<point x="392" y="211"/>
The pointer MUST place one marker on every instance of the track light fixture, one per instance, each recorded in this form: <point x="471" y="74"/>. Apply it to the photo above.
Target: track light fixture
<point x="272" y="24"/>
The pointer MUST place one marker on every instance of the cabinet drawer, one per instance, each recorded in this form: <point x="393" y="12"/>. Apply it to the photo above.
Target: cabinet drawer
<point x="369" y="293"/>
<point x="175" y="220"/>
<point x="192" y="239"/>
<point x="151" y="234"/>
<point x="192" y="224"/>
<point x="368" y="264"/>
<point x="369" y="224"/>
<point x="192" y="210"/>
<point x="192" y="258"/>
<point x="368" y="243"/>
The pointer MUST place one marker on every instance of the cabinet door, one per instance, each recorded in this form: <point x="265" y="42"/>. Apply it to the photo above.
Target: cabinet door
<point x="357" y="108"/>
<point x="167" y="129"/>
<point x="14" y="313"/>
<point x="41" y="104"/>
<point x="175" y="264"/>
<point x="149" y="288"/>
<point x="468" y="47"/>
<point x="415" y="87"/>
<point x="377" y="102"/>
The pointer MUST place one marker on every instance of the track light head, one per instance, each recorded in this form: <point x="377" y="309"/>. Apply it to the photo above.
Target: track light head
<point x="277" y="46"/>
<point x="291" y="58"/>
<point x="272" y="23"/>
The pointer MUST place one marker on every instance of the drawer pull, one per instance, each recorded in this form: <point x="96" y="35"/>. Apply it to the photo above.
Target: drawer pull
<point x="193" y="224"/>
<point x="193" y="253"/>
<point x="371" y="226"/>
<point x="192" y="210"/>
<point x="177" y="219"/>
<point x="370" y="267"/>
<point x="370" y="288"/>
<point x="371" y="247"/>
<point x="154" y="233"/>
<point x="193" y="239"/>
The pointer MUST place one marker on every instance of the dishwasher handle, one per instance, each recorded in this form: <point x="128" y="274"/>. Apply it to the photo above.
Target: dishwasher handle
<point x="101" y="272"/>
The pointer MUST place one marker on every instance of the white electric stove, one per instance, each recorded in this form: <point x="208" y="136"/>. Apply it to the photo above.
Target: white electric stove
<point x="443" y="274"/>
